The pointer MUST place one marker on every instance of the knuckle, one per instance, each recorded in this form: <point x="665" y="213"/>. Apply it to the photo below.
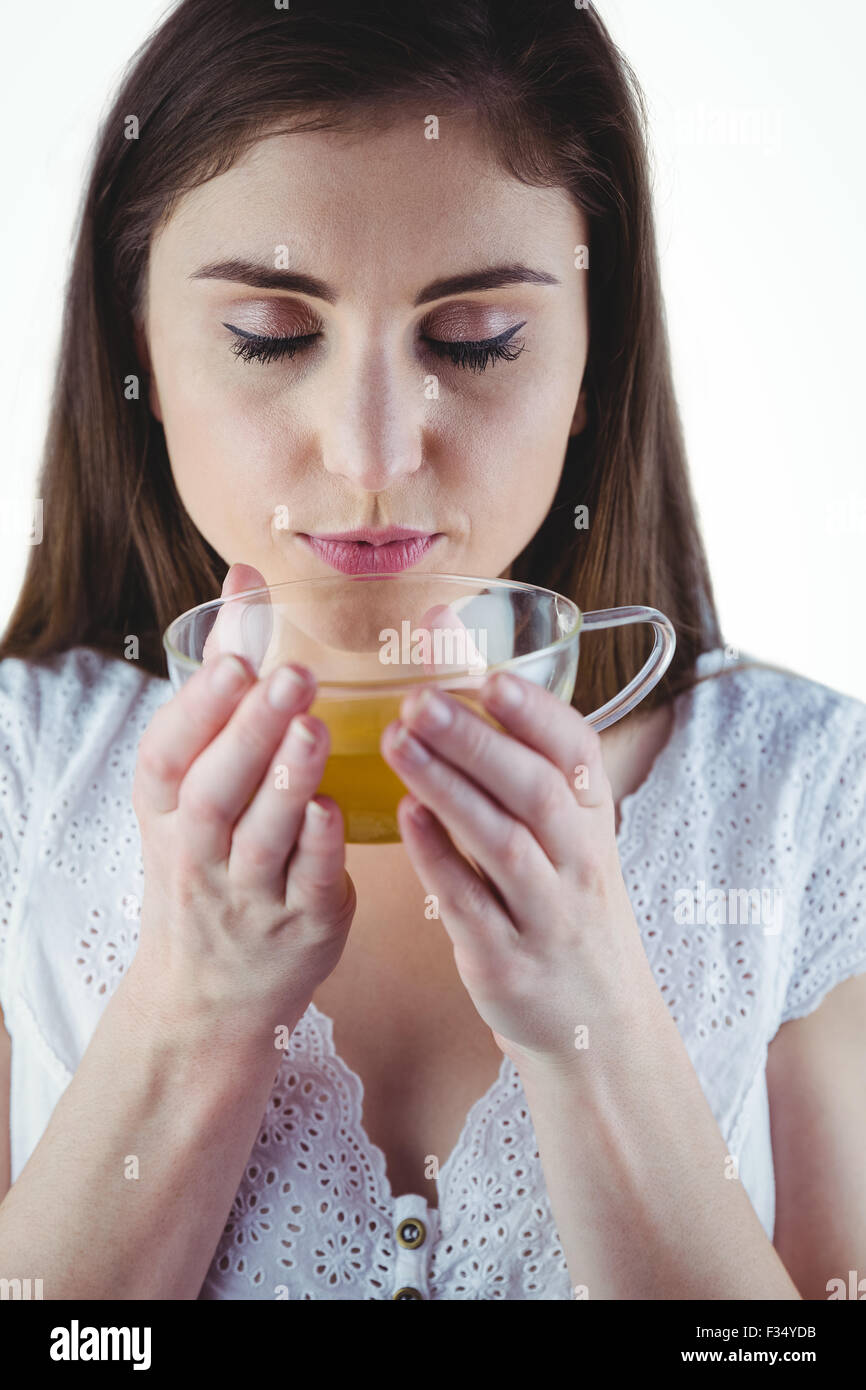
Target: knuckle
<point x="253" y="733"/>
<point x="546" y="801"/>
<point x="516" y="849"/>
<point x="474" y="899"/>
<point x="181" y="878"/>
<point x="197" y="804"/>
<point x="314" y="880"/>
<point x="138" y="798"/>
<point x="249" y="849"/>
<point x="477" y="738"/>
<point x="317" y="889"/>
<point x="141" y="806"/>
<point x="487" y="974"/>
<point x="350" y="899"/>
<point x="590" y="873"/>
<point x="313" y="890"/>
<point x="156" y="762"/>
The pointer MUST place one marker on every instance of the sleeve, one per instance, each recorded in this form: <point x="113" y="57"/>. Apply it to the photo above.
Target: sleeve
<point x="19" y="723"/>
<point x="830" y="940"/>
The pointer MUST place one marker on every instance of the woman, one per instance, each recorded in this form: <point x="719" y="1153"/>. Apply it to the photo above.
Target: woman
<point x="394" y="267"/>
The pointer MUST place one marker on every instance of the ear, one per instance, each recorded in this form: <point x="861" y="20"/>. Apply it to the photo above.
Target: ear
<point x="144" y="358"/>
<point x="580" y="417"/>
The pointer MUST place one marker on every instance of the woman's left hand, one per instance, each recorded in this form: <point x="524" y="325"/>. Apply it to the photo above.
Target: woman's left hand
<point x="545" y="938"/>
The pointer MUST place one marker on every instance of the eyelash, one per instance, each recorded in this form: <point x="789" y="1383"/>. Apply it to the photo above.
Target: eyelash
<point x="249" y="347"/>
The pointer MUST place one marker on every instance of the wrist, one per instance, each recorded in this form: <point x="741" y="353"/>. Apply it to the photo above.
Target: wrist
<point x="184" y="1025"/>
<point x="608" y="1052"/>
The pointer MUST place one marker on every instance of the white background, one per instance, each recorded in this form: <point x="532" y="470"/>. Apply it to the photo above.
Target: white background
<point x="757" y="134"/>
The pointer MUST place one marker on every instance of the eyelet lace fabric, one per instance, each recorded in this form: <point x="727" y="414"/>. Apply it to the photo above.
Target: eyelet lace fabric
<point x="759" y="794"/>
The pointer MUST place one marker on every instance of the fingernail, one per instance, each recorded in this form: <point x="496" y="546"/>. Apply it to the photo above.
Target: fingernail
<point x="229" y="675"/>
<point x="303" y="738"/>
<point x="285" y="688"/>
<point x="409" y="748"/>
<point x="432" y="711"/>
<point x="317" y="816"/>
<point x="506" y="692"/>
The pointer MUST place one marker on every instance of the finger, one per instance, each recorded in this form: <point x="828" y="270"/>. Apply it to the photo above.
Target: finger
<point x="264" y="836"/>
<point x="243" y="627"/>
<point x="472" y="917"/>
<point x="317" y="878"/>
<point x="234" y="582"/>
<point x="504" y="848"/>
<point x="186" y="724"/>
<point x="227" y="773"/>
<point x="526" y="784"/>
<point x="182" y="728"/>
<point x="556" y="730"/>
<point x="455" y="647"/>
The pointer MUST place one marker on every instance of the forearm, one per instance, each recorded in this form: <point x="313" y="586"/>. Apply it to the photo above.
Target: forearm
<point x="638" y="1175"/>
<point x="127" y="1192"/>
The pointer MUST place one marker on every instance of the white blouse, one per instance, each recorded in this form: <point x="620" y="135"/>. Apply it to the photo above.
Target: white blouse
<point x="758" y="797"/>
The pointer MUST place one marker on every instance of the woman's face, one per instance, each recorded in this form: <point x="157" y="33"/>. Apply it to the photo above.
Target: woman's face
<point x="365" y="242"/>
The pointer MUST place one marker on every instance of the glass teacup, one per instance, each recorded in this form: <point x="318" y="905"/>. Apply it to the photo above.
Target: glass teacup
<point x="369" y="639"/>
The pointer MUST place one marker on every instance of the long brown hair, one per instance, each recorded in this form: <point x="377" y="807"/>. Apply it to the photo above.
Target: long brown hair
<point x="562" y="108"/>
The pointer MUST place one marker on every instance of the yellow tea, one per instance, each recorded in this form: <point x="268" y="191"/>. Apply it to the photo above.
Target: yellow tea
<point x="356" y="775"/>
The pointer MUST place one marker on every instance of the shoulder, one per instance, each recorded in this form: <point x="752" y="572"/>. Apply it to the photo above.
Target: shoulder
<point x="791" y="752"/>
<point x="70" y="726"/>
<point x="792" y="747"/>
<point x="55" y="711"/>
<point x="793" y="726"/>
<point x="746" y="682"/>
<point x="73" y="686"/>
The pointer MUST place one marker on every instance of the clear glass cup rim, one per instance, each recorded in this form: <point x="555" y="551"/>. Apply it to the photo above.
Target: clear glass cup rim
<point x="362" y="687"/>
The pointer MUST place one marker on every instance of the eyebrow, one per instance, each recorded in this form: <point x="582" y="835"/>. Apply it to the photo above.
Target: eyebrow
<point x="264" y="277"/>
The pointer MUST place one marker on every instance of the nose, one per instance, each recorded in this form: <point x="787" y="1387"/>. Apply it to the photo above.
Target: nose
<point x="371" y="431"/>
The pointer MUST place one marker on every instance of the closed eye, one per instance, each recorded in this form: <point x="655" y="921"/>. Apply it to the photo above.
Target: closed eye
<point x="253" y="347"/>
<point x="476" y="356"/>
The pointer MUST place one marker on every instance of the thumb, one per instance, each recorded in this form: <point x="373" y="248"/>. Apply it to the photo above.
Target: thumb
<point x="459" y="645"/>
<point x="242" y="627"/>
<point x="241" y="577"/>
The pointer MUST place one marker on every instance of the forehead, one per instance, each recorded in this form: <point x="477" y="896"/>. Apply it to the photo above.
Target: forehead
<point x="390" y="201"/>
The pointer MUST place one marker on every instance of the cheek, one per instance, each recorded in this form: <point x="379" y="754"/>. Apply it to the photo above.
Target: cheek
<point x="228" y="449"/>
<point x="502" y="470"/>
<point x="218" y="438"/>
<point x="532" y="434"/>
<point x="507" y="450"/>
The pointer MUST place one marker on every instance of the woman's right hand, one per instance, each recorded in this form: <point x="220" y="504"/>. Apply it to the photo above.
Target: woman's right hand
<point x="247" y="903"/>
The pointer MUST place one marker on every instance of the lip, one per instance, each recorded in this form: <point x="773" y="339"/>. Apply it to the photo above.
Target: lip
<point x="356" y="552"/>
<point x="366" y="533"/>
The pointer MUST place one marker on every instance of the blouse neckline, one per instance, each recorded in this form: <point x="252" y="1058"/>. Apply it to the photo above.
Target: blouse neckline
<point x="665" y="758"/>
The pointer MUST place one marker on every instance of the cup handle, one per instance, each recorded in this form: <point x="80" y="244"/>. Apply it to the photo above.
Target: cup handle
<point x="649" y="674"/>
